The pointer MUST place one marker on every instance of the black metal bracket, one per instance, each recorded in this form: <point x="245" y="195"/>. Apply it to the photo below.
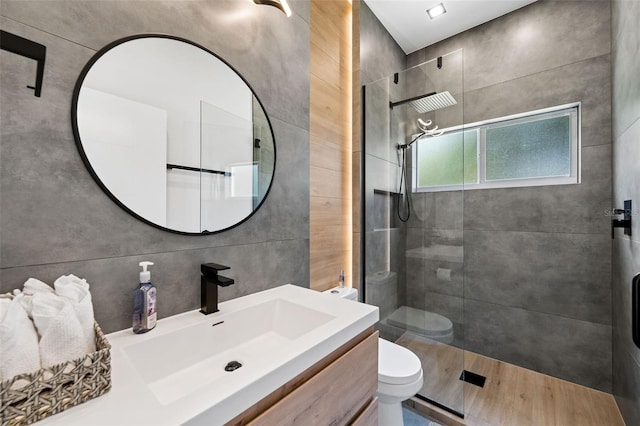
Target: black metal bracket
<point x="624" y="223"/>
<point x="404" y="101"/>
<point x="635" y="310"/>
<point x="29" y="49"/>
<point x="439" y="62"/>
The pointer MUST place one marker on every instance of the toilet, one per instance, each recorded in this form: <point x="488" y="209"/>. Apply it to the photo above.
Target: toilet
<point x="399" y="372"/>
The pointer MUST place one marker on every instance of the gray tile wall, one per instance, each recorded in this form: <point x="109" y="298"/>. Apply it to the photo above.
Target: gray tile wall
<point x="380" y="57"/>
<point x="55" y="220"/>
<point x="626" y="185"/>
<point x="537" y="265"/>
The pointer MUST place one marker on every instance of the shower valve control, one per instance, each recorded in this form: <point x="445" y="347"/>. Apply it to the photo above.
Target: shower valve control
<point x="625" y="222"/>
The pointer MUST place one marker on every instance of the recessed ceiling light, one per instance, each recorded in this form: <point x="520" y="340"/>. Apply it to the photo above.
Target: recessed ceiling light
<point x="436" y="11"/>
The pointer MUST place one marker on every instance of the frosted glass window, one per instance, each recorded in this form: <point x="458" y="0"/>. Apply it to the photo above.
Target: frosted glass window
<point x="443" y="160"/>
<point x="534" y="149"/>
<point x="531" y="149"/>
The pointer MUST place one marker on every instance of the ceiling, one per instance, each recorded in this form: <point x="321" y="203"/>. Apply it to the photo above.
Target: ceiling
<point x="408" y="23"/>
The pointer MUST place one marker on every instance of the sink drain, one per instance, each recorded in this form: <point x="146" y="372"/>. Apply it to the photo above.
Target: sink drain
<point x="232" y="366"/>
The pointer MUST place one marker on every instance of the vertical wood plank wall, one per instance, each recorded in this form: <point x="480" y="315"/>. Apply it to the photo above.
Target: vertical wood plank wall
<point x="356" y="124"/>
<point x="330" y="126"/>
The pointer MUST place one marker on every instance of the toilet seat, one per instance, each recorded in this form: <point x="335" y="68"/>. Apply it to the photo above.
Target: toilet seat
<point x="397" y="365"/>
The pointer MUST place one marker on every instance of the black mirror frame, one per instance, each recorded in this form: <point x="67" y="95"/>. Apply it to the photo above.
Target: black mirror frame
<point x="85" y="160"/>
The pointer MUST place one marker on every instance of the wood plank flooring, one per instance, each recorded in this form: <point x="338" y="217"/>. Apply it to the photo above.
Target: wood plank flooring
<point x="512" y="395"/>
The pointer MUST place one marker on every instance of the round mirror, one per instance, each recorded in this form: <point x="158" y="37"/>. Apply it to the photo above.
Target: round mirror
<point x="173" y="134"/>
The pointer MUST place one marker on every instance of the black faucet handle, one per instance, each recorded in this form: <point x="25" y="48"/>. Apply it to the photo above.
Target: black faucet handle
<point x="210" y="270"/>
<point x="213" y="266"/>
<point x="225" y="281"/>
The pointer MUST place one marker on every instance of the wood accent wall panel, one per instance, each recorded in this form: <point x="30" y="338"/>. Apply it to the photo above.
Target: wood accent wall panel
<point x="356" y="124"/>
<point x="330" y="125"/>
<point x="335" y="396"/>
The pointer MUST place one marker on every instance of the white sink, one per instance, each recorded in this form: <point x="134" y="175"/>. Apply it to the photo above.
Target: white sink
<point x="195" y="357"/>
<point x="175" y="373"/>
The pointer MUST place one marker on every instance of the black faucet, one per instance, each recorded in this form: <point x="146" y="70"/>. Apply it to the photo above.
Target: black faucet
<point x="209" y="282"/>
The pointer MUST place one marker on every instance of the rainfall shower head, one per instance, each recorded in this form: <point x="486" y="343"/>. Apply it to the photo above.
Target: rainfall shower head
<point x="433" y="102"/>
<point x="429" y="102"/>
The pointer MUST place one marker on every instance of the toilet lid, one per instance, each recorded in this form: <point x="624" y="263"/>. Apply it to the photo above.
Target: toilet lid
<point x="420" y="321"/>
<point x="397" y="365"/>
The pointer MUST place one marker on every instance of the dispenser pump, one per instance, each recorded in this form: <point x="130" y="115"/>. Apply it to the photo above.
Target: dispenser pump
<point x="341" y="279"/>
<point x="145" y="276"/>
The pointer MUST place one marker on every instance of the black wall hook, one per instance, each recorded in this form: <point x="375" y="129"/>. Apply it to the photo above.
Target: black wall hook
<point x="29" y="49"/>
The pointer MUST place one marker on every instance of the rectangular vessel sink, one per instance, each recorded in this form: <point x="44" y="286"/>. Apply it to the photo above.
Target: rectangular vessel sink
<point x="196" y="356"/>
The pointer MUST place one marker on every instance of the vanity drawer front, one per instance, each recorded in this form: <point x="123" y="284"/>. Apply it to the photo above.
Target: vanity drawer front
<point x="335" y="395"/>
<point x="369" y="417"/>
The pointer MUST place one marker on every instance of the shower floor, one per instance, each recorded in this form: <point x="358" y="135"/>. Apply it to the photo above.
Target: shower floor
<point x="512" y="395"/>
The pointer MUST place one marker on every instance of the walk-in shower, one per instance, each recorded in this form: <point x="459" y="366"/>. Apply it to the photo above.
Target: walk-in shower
<point x="413" y="247"/>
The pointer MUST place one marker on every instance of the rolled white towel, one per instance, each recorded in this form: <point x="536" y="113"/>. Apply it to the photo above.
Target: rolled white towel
<point x="18" y="341"/>
<point x="76" y="290"/>
<point x="31" y="287"/>
<point x="61" y="334"/>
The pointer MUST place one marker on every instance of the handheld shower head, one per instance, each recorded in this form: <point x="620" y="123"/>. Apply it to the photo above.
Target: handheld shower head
<point x="424" y="131"/>
<point x="424" y="127"/>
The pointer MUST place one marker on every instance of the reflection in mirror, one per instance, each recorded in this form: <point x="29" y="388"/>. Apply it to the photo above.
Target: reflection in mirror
<point x="173" y="134"/>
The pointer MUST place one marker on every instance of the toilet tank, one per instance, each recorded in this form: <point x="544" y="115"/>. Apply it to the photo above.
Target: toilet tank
<point x="348" y="293"/>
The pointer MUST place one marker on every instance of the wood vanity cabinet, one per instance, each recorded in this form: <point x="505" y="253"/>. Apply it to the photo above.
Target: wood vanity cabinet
<point x="338" y="390"/>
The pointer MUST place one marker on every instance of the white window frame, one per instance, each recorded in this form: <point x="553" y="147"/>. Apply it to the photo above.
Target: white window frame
<point x="572" y="109"/>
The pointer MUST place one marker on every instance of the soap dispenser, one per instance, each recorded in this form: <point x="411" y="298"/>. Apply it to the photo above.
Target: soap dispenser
<point x="145" y="313"/>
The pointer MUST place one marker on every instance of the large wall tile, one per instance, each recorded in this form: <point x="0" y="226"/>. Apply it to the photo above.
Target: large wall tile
<point x="449" y="209"/>
<point x="580" y="208"/>
<point x="254" y="267"/>
<point x="535" y="38"/>
<point x="588" y="82"/>
<point x="626" y="178"/>
<point x="573" y="350"/>
<point x="377" y="122"/>
<point x="543" y="272"/>
<point x="270" y="44"/>
<point x="380" y="55"/>
<point x="626" y="59"/>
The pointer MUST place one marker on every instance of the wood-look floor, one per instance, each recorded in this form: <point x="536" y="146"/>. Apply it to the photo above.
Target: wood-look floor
<point x="511" y="395"/>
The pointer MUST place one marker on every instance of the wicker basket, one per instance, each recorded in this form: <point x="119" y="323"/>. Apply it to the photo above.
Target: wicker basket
<point x="54" y="389"/>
